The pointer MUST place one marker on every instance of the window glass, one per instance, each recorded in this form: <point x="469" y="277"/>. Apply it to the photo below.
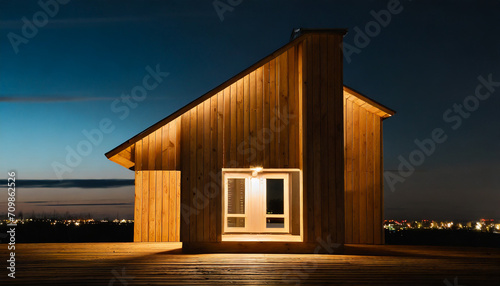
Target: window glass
<point x="275" y="222"/>
<point x="236" y="222"/>
<point x="236" y="196"/>
<point x="275" y="196"/>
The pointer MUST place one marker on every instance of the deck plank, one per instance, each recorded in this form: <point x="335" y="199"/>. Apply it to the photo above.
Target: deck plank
<point x="163" y="263"/>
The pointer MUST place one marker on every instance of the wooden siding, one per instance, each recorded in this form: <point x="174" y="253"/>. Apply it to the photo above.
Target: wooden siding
<point x="323" y="177"/>
<point x="160" y="150"/>
<point x="157" y="206"/>
<point x="253" y="122"/>
<point x="290" y="112"/>
<point x="363" y="171"/>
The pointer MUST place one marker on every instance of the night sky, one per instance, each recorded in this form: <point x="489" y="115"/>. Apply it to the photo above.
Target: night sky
<point x="60" y="81"/>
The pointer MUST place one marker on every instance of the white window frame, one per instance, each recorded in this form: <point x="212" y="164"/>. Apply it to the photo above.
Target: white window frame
<point x="226" y="215"/>
<point x="286" y="202"/>
<point x="255" y="203"/>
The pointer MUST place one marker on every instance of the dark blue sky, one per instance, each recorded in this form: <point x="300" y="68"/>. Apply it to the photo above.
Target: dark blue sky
<point x="64" y="78"/>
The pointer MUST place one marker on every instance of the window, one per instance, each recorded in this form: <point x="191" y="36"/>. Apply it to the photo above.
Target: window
<point x="256" y="204"/>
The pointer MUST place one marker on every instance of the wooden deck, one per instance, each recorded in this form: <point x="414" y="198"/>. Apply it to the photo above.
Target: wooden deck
<point x="164" y="264"/>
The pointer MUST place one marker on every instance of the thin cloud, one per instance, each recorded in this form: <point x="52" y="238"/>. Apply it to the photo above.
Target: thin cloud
<point x="69" y="204"/>
<point x="82" y="184"/>
<point x="50" y="99"/>
<point x="54" y="22"/>
<point x="86" y="205"/>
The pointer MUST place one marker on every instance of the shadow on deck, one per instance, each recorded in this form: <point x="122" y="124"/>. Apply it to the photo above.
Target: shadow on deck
<point x="165" y="264"/>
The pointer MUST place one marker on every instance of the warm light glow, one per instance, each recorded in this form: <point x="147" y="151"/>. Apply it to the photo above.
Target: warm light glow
<point x="256" y="171"/>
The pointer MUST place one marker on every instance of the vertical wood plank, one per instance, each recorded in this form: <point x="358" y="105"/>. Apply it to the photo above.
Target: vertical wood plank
<point x="298" y="104"/>
<point x="355" y="167"/>
<point x="152" y="203"/>
<point x="172" y="134"/>
<point x="316" y="138"/>
<point x="239" y="124"/>
<point x="145" y="153"/>
<point x="199" y="203"/>
<point x="339" y="144"/>
<point x="185" y="176"/>
<point x="207" y="146"/>
<point x="138" y="206"/>
<point x="221" y="139"/>
<point x="252" y="121"/>
<point x="244" y="145"/>
<point x="304" y="121"/>
<point x="145" y="207"/>
<point x="326" y="135"/>
<point x="158" y="148"/>
<point x="331" y="134"/>
<point x="234" y="122"/>
<point x="349" y="172"/>
<point x="193" y="221"/>
<point x="381" y="177"/>
<point x="266" y="135"/>
<point x="377" y="189"/>
<point x="370" y="179"/>
<point x="177" y="205"/>
<point x="138" y="156"/>
<point x="212" y="171"/>
<point x="158" y="206"/>
<point x="178" y="146"/>
<point x="259" y="136"/>
<point x="164" y="146"/>
<point x="362" y="179"/>
<point x="166" y="208"/>
<point x="172" y="211"/>
<point x="226" y="115"/>
<point x="151" y="151"/>
<point x="309" y="168"/>
<point x="292" y="108"/>
<point x="272" y="113"/>
<point x="283" y="116"/>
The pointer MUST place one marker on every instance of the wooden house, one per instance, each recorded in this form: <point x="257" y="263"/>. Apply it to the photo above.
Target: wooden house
<point x="280" y="158"/>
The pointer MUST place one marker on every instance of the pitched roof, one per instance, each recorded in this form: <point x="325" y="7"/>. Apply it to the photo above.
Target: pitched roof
<point x="297" y="36"/>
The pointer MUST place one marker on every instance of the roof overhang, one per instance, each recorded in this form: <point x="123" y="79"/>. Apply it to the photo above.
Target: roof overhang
<point x="368" y="103"/>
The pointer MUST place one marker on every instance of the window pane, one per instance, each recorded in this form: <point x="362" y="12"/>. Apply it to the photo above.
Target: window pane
<point x="235" y="222"/>
<point x="275" y="193"/>
<point x="236" y="196"/>
<point x="275" y="222"/>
